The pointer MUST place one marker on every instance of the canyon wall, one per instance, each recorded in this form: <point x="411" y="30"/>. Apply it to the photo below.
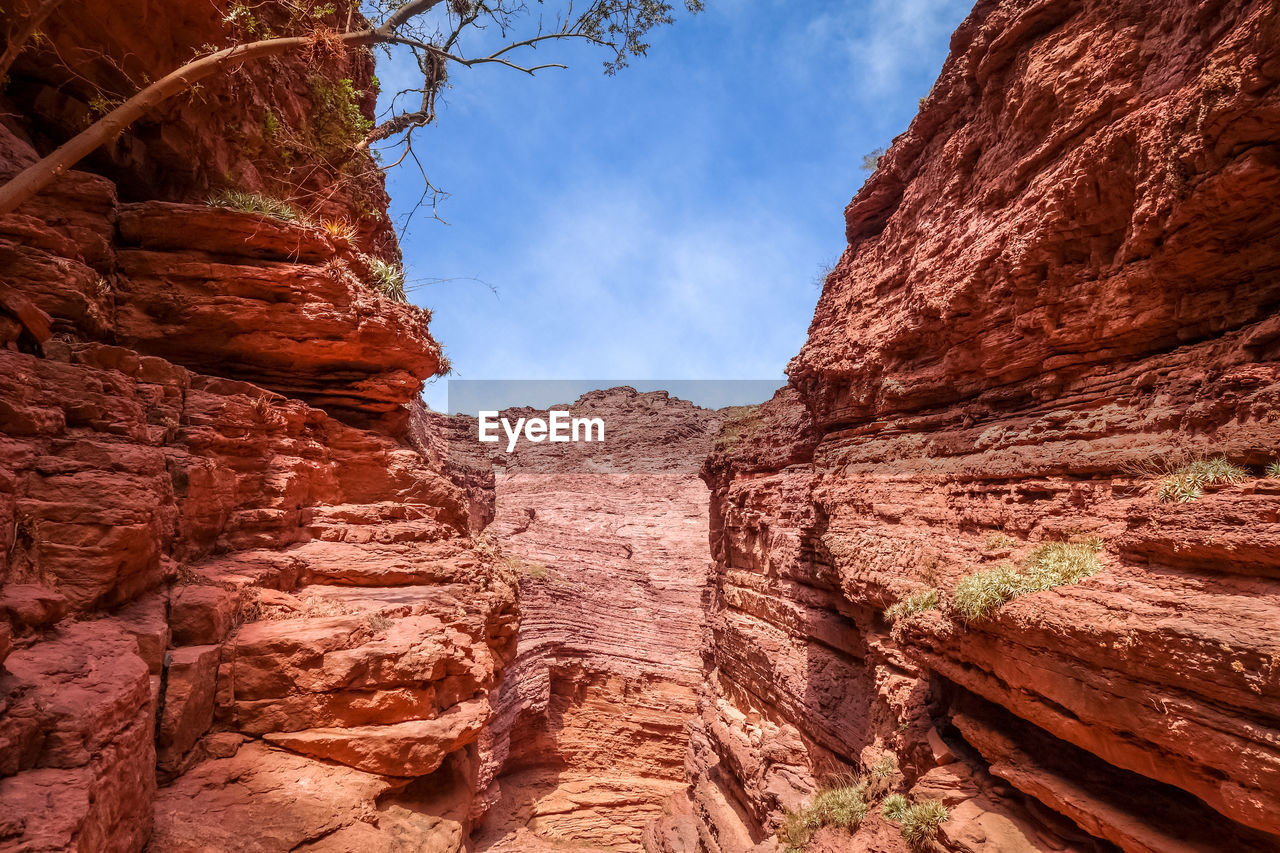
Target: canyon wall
<point x="244" y="603"/>
<point x="609" y="543"/>
<point x="1061" y="282"/>
<point x="247" y="603"/>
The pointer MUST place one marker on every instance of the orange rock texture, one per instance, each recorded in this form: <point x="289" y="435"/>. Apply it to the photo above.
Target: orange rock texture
<point x="1060" y="285"/>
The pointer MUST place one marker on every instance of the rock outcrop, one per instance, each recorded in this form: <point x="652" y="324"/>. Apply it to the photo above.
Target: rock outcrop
<point x="1061" y="283"/>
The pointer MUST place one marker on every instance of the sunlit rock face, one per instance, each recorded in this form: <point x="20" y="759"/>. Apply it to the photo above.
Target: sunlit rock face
<point x="609" y="542"/>
<point x="1061" y="278"/>
<point x="243" y="605"/>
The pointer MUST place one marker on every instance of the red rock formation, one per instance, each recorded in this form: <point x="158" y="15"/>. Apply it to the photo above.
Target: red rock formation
<point x="610" y="545"/>
<point x="1062" y="275"/>
<point x="244" y="607"/>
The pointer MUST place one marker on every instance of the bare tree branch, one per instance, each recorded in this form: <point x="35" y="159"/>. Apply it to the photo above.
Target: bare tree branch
<point x="617" y="25"/>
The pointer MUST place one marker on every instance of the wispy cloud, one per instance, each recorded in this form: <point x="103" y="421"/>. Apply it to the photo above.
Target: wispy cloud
<point x="667" y="222"/>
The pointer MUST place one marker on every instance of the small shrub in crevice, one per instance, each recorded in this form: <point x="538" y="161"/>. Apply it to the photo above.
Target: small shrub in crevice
<point x="998" y="540"/>
<point x="980" y="594"/>
<point x="388" y="279"/>
<point x="919" y="823"/>
<point x="247" y="202"/>
<point x="1188" y="482"/>
<point x="1273" y="471"/>
<point x="916" y="602"/>
<point x="841" y="807"/>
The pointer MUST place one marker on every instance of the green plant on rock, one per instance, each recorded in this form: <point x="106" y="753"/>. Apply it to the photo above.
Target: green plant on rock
<point x="871" y="160"/>
<point x="1188" y="482"/>
<point x="841" y="806"/>
<point x="998" y="540"/>
<point x="980" y="594"/>
<point x="916" y="602"/>
<point x="1273" y="471"/>
<point x="388" y="279"/>
<point x="920" y="823"/>
<point x="249" y="202"/>
<point x="893" y="807"/>
<point x="339" y="123"/>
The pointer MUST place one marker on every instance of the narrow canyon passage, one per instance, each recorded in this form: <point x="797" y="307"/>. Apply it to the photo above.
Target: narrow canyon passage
<point x="996" y="570"/>
<point x="610" y="547"/>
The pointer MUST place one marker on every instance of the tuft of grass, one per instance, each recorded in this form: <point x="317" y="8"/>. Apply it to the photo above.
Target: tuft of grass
<point x="1058" y="563"/>
<point x="247" y="202"/>
<point x="742" y="423"/>
<point x="916" y="602"/>
<point x="885" y="767"/>
<point x="388" y="279"/>
<point x="339" y="229"/>
<point x="794" y="833"/>
<point x="998" y="540"/>
<point x="982" y="593"/>
<point x="1273" y="471"/>
<point x="920" y="822"/>
<point x="893" y="807"/>
<point x="1187" y="483"/>
<point x="533" y="571"/>
<point x="842" y="806"/>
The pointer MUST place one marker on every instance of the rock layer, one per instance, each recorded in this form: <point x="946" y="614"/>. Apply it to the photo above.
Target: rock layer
<point x="245" y="605"/>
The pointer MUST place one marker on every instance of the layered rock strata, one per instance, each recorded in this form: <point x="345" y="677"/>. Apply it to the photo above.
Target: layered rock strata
<point x="244" y="601"/>
<point x="1060" y="284"/>
<point x="609" y="542"/>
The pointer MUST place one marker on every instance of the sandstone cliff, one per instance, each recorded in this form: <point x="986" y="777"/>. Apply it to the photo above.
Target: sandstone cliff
<point x="1060" y="283"/>
<point x="243" y="605"/>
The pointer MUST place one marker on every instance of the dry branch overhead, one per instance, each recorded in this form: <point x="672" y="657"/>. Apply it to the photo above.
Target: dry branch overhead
<point x="434" y="39"/>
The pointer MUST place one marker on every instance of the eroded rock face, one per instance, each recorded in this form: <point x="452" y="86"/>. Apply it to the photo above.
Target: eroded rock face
<point x="244" y="605"/>
<point x="590" y="734"/>
<point x="1060" y="279"/>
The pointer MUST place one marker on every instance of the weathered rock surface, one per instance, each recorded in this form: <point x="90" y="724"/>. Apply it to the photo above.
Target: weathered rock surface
<point x="242" y="601"/>
<point x="1062" y="277"/>
<point x="609" y="542"/>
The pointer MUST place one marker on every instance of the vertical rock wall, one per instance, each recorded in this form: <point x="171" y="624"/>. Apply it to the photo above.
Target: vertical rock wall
<point x="1061" y="283"/>
<point x="242" y="601"/>
<point x="609" y="542"/>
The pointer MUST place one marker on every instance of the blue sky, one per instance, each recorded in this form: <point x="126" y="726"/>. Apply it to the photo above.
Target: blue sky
<point x="668" y="222"/>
